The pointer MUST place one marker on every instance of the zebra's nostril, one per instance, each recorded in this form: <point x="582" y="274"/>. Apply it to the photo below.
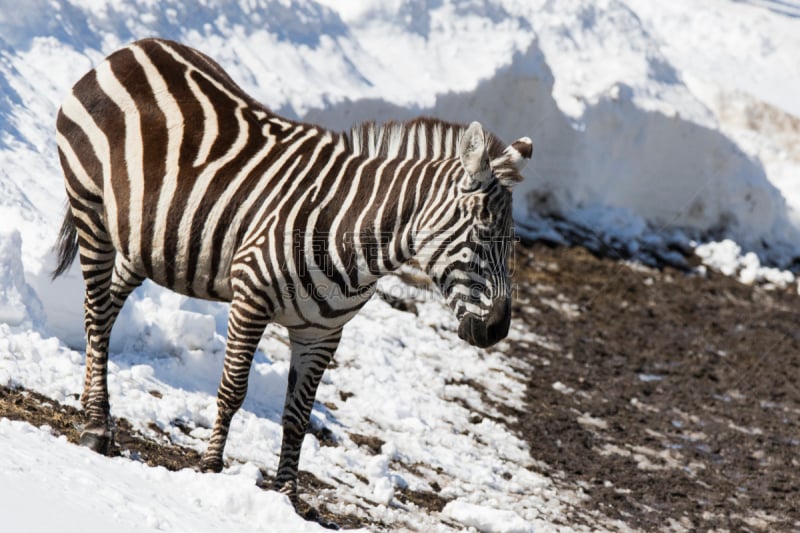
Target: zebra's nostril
<point x="473" y="330"/>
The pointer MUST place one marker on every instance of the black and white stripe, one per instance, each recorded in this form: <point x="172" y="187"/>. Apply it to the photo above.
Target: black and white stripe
<point x="173" y="173"/>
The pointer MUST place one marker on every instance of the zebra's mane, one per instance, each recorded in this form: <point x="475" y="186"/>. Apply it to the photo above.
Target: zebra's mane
<point x="419" y="138"/>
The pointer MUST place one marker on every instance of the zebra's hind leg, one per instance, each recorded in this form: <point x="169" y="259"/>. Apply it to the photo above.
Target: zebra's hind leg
<point x="109" y="281"/>
<point x="310" y="358"/>
<point x="246" y="324"/>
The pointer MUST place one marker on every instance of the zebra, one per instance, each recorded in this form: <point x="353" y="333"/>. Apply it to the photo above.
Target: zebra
<point x="174" y="174"/>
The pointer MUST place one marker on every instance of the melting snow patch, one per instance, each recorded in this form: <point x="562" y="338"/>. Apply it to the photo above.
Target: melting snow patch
<point x="486" y="519"/>
<point x="560" y="387"/>
<point x="727" y="257"/>
<point x="562" y="305"/>
<point x="748" y="431"/>
<point x="650" y="377"/>
<point x="588" y="420"/>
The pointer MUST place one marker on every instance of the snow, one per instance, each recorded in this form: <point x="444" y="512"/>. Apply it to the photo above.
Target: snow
<point x="653" y="124"/>
<point x="486" y="519"/>
<point x="83" y="491"/>
<point x="18" y="302"/>
<point x="388" y="358"/>
<point x="727" y="257"/>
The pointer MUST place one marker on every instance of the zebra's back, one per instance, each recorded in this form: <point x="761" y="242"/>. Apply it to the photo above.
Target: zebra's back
<point x="178" y="158"/>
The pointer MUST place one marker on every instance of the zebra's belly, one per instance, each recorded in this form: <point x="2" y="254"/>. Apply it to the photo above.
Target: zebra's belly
<point x="199" y="282"/>
<point x="199" y="277"/>
<point x="298" y="309"/>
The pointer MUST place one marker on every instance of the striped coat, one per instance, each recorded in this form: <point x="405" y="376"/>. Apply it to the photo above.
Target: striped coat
<point x="175" y="174"/>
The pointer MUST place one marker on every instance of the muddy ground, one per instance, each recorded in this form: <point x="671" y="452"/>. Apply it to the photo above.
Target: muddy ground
<point x="674" y="400"/>
<point x="671" y="400"/>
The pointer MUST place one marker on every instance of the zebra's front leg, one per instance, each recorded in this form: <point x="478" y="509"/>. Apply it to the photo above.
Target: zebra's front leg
<point x="310" y="358"/>
<point x="245" y="327"/>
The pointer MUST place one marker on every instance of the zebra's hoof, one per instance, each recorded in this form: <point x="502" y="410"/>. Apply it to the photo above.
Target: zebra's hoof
<point x="211" y="465"/>
<point x="98" y="442"/>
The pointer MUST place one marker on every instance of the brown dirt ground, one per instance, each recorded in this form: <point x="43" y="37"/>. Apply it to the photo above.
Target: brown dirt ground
<point x="677" y="404"/>
<point x="686" y="404"/>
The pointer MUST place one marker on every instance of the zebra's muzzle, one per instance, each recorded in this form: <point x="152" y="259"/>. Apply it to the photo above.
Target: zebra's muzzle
<point x="482" y="333"/>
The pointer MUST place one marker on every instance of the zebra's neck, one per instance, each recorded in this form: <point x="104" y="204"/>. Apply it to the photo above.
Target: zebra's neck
<point x="411" y="202"/>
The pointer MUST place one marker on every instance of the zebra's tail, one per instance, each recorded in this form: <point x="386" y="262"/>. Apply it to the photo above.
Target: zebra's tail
<point x="66" y="245"/>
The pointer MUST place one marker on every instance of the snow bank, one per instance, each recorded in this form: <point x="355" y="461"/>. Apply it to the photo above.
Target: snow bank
<point x="614" y="123"/>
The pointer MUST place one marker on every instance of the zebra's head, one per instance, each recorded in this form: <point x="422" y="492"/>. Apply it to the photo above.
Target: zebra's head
<point x="469" y="259"/>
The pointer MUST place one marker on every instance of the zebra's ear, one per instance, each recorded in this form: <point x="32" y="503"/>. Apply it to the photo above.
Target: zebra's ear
<point x="474" y="157"/>
<point x="517" y="154"/>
